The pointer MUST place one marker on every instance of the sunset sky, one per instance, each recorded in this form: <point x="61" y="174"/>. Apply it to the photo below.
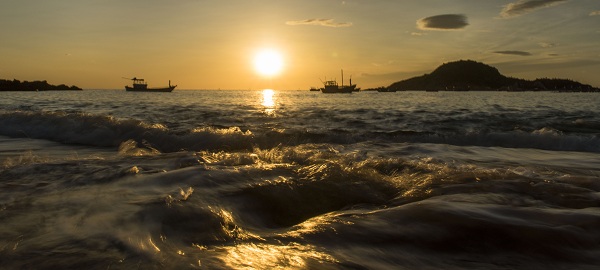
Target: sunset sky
<point x="210" y="44"/>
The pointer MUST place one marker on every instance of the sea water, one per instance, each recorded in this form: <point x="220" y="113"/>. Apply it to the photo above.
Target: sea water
<point x="107" y="179"/>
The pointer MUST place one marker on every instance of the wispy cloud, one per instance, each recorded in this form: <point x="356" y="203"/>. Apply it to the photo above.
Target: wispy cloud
<point x="595" y="13"/>
<point x="443" y="22"/>
<point x="319" y="22"/>
<point x="417" y="34"/>
<point x="389" y="62"/>
<point x="519" y="53"/>
<point x="522" y="7"/>
<point x="547" y="45"/>
<point x="545" y="64"/>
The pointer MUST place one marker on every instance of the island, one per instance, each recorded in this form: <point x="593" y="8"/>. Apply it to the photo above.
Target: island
<point x="469" y="75"/>
<point x="16" y="85"/>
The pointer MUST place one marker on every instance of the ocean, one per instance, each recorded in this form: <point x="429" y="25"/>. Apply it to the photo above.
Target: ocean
<point x="109" y="179"/>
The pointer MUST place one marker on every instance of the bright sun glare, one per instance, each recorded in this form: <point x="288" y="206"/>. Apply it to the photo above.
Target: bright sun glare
<point x="268" y="62"/>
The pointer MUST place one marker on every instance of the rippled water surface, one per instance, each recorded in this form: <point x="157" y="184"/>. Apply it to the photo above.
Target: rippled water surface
<point x="107" y="179"/>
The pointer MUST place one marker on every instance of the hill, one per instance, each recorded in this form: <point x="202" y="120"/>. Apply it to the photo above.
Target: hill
<point x="16" y="85"/>
<point x="467" y="75"/>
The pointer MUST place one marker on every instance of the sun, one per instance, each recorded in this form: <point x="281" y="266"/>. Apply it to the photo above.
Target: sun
<point x="268" y="62"/>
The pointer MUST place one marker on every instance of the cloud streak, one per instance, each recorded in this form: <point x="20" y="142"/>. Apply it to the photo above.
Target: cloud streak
<point x="595" y="13"/>
<point x="546" y="45"/>
<point x="319" y="22"/>
<point x="522" y="7"/>
<point x="547" y="64"/>
<point x="443" y="22"/>
<point x="519" y="53"/>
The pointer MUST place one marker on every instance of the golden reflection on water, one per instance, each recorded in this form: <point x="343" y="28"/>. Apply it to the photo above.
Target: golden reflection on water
<point x="262" y="255"/>
<point x="315" y="225"/>
<point x="267" y="256"/>
<point x="146" y="244"/>
<point x="268" y="101"/>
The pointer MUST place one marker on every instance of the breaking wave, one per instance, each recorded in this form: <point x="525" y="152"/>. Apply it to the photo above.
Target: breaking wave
<point x="109" y="131"/>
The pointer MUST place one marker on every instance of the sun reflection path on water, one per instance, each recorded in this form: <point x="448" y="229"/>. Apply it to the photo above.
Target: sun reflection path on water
<point x="268" y="101"/>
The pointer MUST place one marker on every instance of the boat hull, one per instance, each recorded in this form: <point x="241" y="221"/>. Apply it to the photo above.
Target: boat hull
<point x="338" y="90"/>
<point x="164" y="89"/>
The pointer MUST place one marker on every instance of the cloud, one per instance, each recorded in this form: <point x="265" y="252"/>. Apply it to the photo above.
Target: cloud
<point x="547" y="45"/>
<point x="417" y="34"/>
<point x="520" y="53"/>
<point x="443" y="22"/>
<point x="522" y="7"/>
<point x="595" y="13"/>
<point x="389" y="62"/>
<point x="545" y="64"/>
<point x="320" y="22"/>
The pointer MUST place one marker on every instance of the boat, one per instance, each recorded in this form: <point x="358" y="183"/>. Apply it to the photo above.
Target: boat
<point x="139" y="85"/>
<point x="331" y="87"/>
<point x="314" y="89"/>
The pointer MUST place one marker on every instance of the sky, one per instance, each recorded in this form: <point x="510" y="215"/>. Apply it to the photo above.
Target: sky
<point x="213" y="44"/>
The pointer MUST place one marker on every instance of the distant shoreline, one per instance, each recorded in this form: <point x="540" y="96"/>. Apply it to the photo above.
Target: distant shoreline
<point x="25" y="86"/>
<point x="594" y="90"/>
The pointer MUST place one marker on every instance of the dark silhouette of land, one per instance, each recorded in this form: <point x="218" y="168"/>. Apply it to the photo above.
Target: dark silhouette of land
<point x="16" y="85"/>
<point x="465" y="75"/>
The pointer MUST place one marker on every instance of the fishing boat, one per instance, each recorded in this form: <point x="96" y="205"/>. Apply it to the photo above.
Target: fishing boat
<point x="139" y="85"/>
<point x="331" y="87"/>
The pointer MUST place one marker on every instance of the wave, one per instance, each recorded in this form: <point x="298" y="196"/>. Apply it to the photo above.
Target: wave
<point x="109" y="131"/>
<point x="299" y="206"/>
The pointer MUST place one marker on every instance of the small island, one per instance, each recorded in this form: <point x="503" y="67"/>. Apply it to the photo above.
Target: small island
<point x="16" y="85"/>
<point x="468" y="75"/>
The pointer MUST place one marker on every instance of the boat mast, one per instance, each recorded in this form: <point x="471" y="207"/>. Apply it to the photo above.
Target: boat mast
<point x="342" y="78"/>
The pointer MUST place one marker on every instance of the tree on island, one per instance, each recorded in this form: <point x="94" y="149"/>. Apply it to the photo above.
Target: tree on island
<point x="16" y="85"/>
<point x="465" y="75"/>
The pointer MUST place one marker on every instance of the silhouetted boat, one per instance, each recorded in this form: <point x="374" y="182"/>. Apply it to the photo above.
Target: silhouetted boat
<point x="332" y="87"/>
<point x="139" y="85"/>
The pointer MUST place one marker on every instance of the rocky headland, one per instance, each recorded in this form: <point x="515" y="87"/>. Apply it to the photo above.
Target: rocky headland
<point x="468" y="75"/>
